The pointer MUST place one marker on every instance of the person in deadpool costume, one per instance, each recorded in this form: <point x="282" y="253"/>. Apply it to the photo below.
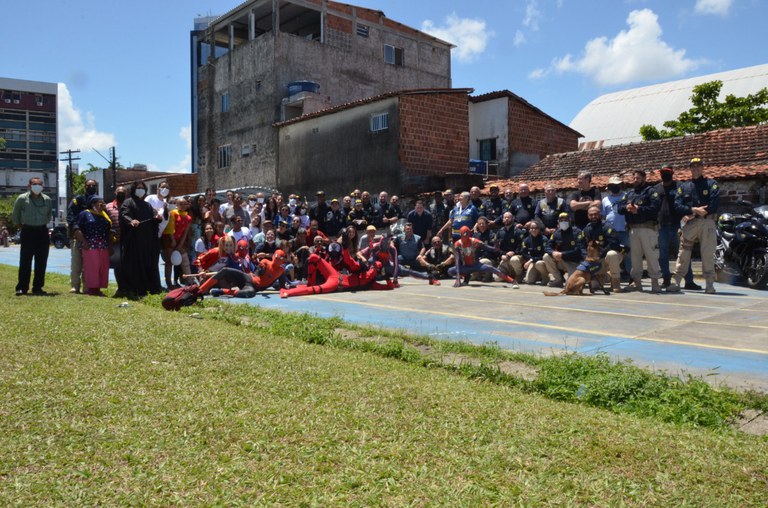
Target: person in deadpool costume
<point x="323" y="278"/>
<point x="234" y="282"/>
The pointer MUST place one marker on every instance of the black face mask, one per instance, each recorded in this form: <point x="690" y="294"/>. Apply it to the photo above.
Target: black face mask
<point x="614" y="188"/>
<point x="120" y="196"/>
<point x="666" y="176"/>
<point x="90" y="191"/>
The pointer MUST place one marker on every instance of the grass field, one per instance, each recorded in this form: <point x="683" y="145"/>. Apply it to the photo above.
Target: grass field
<point x="138" y="406"/>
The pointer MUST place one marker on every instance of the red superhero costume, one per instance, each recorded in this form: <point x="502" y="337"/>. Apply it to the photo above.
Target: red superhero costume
<point x="242" y="285"/>
<point x="318" y="268"/>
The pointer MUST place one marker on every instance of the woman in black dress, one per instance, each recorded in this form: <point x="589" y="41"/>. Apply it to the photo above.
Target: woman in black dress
<point x="140" y="243"/>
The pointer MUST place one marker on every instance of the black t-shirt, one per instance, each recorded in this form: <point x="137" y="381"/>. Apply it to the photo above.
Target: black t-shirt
<point x="580" y="217"/>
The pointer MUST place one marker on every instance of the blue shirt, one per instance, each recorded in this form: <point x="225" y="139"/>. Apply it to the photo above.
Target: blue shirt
<point x="610" y="213"/>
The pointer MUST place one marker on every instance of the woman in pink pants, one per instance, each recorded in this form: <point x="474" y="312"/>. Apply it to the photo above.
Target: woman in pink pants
<point x="93" y="231"/>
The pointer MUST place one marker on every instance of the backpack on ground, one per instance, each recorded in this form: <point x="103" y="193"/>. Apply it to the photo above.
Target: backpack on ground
<point x="181" y="297"/>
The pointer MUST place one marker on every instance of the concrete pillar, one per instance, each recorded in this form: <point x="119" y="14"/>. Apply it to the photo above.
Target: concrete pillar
<point x="251" y="25"/>
<point x="275" y="17"/>
<point x="231" y="29"/>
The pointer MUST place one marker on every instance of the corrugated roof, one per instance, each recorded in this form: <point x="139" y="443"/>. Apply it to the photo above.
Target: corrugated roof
<point x="728" y="154"/>
<point x="616" y="118"/>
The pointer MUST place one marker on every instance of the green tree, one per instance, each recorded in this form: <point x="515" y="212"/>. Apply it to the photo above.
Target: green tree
<point x="6" y="207"/>
<point x="709" y="113"/>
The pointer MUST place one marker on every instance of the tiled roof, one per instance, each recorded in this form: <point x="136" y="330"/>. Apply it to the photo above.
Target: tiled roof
<point x="506" y="93"/>
<point x="373" y="98"/>
<point x="728" y="154"/>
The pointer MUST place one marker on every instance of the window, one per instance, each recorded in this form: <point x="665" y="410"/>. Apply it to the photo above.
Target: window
<point x="225" y="156"/>
<point x="488" y="149"/>
<point x="39" y="101"/>
<point x="362" y="30"/>
<point x="245" y="151"/>
<point x="393" y="55"/>
<point x="379" y="122"/>
<point x="225" y="102"/>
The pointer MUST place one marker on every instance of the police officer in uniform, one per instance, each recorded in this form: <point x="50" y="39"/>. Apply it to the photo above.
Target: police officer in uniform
<point x="494" y="207"/>
<point x="641" y="206"/>
<point x="669" y="227"/>
<point x="611" y="250"/>
<point x="562" y="252"/>
<point x="697" y="201"/>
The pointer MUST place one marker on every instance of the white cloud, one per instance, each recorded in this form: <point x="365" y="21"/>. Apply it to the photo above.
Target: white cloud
<point x="532" y="15"/>
<point x="185" y="165"/>
<point x="469" y="35"/>
<point x="720" y="7"/>
<point x="538" y="73"/>
<point x="519" y="39"/>
<point x="636" y="54"/>
<point x="78" y="133"/>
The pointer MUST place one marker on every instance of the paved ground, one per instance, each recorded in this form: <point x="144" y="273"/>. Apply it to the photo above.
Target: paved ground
<point x="723" y="335"/>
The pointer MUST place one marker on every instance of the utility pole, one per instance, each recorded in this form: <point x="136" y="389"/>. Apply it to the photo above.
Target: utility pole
<point x="68" y="175"/>
<point x="113" y="167"/>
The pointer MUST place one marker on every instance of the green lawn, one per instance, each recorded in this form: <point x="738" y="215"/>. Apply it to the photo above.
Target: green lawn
<point x="139" y="406"/>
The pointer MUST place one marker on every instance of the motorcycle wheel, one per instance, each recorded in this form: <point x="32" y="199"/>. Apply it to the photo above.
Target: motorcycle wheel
<point x="757" y="271"/>
<point x="58" y="243"/>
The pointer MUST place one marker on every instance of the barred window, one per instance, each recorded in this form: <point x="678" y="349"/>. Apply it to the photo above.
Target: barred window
<point x="379" y="122"/>
<point x="225" y="156"/>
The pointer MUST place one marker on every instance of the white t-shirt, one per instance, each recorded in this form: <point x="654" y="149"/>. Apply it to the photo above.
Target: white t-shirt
<point x="159" y="204"/>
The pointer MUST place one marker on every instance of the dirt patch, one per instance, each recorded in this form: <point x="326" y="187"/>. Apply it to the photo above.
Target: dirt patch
<point x="519" y="370"/>
<point x="753" y="422"/>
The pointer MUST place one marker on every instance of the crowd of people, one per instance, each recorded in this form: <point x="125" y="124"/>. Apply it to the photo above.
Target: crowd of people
<point x="247" y="243"/>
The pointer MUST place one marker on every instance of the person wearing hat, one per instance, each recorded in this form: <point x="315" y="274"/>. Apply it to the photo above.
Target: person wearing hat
<point x="93" y="234"/>
<point x="357" y="217"/>
<point x="366" y="240"/>
<point x="697" y="201"/>
<point x="617" y="222"/>
<point x="669" y="227"/>
<point x="320" y="210"/>
<point x="32" y="211"/>
<point x="640" y="207"/>
<point x="494" y="206"/>
<point x="335" y="220"/>
<point x="562" y="253"/>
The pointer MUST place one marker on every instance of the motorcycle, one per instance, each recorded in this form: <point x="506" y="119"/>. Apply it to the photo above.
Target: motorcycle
<point x="742" y="246"/>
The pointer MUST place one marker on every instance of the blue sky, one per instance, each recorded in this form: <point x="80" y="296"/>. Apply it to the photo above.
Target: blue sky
<point x="123" y="66"/>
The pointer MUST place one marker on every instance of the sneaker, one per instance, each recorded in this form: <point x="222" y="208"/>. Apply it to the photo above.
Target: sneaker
<point x="666" y="282"/>
<point x="39" y="292"/>
<point x="554" y="284"/>
<point x="673" y="287"/>
<point x="74" y="290"/>
<point x="515" y="285"/>
<point x="216" y="292"/>
<point x="20" y="292"/>
<point x="692" y="286"/>
<point x="710" y="291"/>
<point x="434" y="282"/>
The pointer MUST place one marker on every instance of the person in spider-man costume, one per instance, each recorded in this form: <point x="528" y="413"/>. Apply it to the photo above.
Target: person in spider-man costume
<point x="322" y="278"/>
<point x="468" y="262"/>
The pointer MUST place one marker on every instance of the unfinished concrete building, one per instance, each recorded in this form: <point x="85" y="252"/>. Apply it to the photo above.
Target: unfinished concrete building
<point x="269" y="61"/>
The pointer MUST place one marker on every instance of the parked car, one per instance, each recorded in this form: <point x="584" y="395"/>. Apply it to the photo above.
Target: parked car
<point x="59" y="236"/>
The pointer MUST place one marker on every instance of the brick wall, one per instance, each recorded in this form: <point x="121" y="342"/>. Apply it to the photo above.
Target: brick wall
<point x="532" y="132"/>
<point x="752" y="190"/>
<point x="434" y="133"/>
<point x="339" y="24"/>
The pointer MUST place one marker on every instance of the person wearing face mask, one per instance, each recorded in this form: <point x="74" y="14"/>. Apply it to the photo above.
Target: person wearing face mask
<point x="139" y="224"/>
<point x="32" y="211"/>
<point x="669" y="227"/>
<point x="609" y="212"/>
<point x="113" y="210"/>
<point x="77" y="205"/>
<point x="562" y="252"/>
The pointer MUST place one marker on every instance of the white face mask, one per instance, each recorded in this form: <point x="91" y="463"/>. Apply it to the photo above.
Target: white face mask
<point x="165" y="191"/>
<point x="140" y="193"/>
<point x="252" y="202"/>
<point x="260" y="200"/>
<point x="292" y="202"/>
<point x="37" y="188"/>
<point x="564" y="225"/>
